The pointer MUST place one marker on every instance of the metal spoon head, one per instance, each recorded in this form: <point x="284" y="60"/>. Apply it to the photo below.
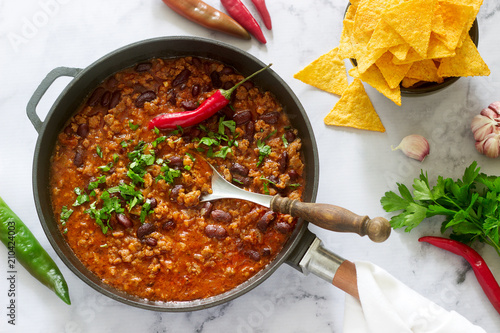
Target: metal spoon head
<point x="222" y="189"/>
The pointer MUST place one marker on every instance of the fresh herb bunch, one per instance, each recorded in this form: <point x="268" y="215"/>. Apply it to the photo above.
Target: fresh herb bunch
<point x="470" y="205"/>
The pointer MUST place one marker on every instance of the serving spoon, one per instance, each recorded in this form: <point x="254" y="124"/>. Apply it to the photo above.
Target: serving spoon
<point x="326" y="216"/>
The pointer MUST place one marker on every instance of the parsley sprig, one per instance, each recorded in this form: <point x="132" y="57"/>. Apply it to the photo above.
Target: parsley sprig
<point x="216" y="140"/>
<point x="470" y="205"/>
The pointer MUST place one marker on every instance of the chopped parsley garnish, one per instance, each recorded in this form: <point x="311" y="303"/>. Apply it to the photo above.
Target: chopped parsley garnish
<point x="109" y="205"/>
<point x="294" y="186"/>
<point x="65" y="214"/>
<point x="81" y="198"/>
<point x="285" y="141"/>
<point x="139" y="162"/>
<point x="98" y="151"/>
<point x="146" y="209"/>
<point x="124" y="144"/>
<point x="105" y="168"/>
<point x="95" y="184"/>
<point x="222" y="153"/>
<point x="168" y="174"/>
<point x="264" y="151"/>
<point x="132" y="126"/>
<point x="265" y="184"/>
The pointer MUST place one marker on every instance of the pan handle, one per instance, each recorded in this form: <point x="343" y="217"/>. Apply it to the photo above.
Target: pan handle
<point x="42" y="88"/>
<point x="330" y="267"/>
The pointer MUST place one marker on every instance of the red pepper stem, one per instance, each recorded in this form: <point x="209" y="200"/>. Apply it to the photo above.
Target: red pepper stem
<point x="227" y="93"/>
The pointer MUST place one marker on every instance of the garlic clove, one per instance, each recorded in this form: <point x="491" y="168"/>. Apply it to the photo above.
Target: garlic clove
<point x="482" y="126"/>
<point x="414" y="146"/>
<point x="491" y="145"/>
<point x="490" y="113"/>
<point x="495" y="106"/>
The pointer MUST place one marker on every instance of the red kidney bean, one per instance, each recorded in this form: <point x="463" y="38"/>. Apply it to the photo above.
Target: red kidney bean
<point x="270" y="117"/>
<point x="115" y="99"/>
<point x="283" y="162"/>
<point x="228" y="85"/>
<point x="195" y="90"/>
<point x="151" y="241"/>
<point x="68" y="130"/>
<point x="196" y="61"/>
<point x="266" y="220"/>
<point x="216" y="81"/>
<point x="227" y="70"/>
<point x="241" y="180"/>
<point x="239" y="169"/>
<point x="106" y="98"/>
<point x="112" y="83"/>
<point x="266" y="252"/>
<point x="83" y="130"/>
<point x="143" y="67"/>
<point x="78" y="159"/>
<point x="283" y="227"/>
<point x="242" y="117"/>
<point x="215" y="231"/>
<point x="221" y="216"/>
<point x="168" y="225"/>
<point x="254" y="255"/>
<point x="290" y="136"/>
<point x="181" y="78"/>
<point x="226" y="112"/>
<point x="248" y="85"/>
<point x="96" y="96"/>
<point x="189" y="105"/>
<point x="146" y="96"/>
<point x="175" y="162"/>
<point x="206" y="209"/>
<point x="174" y="193"/>
<point x="294" y="175"/>
<point x="124" y="220"/>
<point x="153" y="203"/>
<point x="249" y="131"/>
<point x="145" y="229"/>
<point x="220" y="233"/>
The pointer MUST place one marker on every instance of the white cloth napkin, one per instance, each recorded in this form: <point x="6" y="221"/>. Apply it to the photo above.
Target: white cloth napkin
<point x="388" y="306"/>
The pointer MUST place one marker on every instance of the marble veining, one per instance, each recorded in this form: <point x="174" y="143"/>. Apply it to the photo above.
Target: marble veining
<point x="356" y="167"/>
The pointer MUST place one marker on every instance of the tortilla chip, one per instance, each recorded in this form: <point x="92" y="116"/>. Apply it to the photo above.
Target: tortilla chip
<point x="400" y="51"/>
<point x="393" y="74"/>
<point x="384" y="37"/>
<point x="354" y="109"/>
<point x="374" y="78"/>
<point x="351" y="12"/>
<point x="369" y="58"/>
<point x="424" y="70"/>
<point x="412" y="21"/>
<point x="411" y="57"/>
<point x="449" y="23"/>
<point x="345" y="47"/>
<point x="467" y="62"/>
<point x="437" y="49"/>
<point x="407" y="82"/>
<point x="328" y="73"/>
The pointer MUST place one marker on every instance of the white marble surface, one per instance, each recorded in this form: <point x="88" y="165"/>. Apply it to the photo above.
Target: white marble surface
<point x="357" y="167"/>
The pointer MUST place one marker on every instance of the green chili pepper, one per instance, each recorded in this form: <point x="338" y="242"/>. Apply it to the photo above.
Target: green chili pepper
<point x="29" y="253"/>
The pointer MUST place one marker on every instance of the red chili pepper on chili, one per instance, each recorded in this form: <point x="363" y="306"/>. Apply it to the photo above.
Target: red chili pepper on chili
<point x="479" y="266"/>
<point x="242" y="15"/>
<point x="208" y="108"/>
<point x="263" y="12"/>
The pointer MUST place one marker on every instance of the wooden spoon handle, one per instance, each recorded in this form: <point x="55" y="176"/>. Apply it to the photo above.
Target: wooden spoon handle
<point x="334" y="218"/>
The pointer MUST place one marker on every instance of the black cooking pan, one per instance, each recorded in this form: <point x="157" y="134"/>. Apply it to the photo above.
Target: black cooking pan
<point x="302" y="251"/>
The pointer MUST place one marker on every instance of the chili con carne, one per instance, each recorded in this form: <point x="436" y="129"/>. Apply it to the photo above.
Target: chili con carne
<point x="207" y="109"/>
<point x="207" y="16"/>
<point x="29" y="253"/>
<point x="242" y="15"/>
<point x="479" y="266"/>
<point x="263" y="12"/>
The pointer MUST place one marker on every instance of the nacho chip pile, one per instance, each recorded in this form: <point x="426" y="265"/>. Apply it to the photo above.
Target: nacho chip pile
<point x="398" y="43"/>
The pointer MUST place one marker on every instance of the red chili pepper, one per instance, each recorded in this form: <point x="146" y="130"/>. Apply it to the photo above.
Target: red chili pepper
<point x="208" y="108"/>
<point x="479" y="266"/>
<point x="263" y="12"/>
<point x="242" y="15"/>
<point x="207" y="16"/>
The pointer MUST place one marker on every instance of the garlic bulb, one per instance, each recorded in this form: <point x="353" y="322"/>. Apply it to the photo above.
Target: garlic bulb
<point x="414" y="146"/>
<point x="486" y="130"/>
